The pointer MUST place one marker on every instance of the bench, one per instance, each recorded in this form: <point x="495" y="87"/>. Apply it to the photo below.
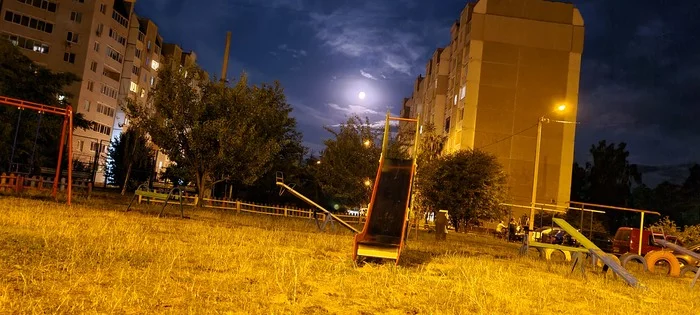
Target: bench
<point x="142" y="191"/>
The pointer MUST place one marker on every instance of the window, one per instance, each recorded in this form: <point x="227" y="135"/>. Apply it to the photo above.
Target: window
<point x="141" y="36"/>
<point x="103" y="8"/>
<point x="109" y="91"/>
<point x="462" y="92"/>
<point x="28" y="21"/>
<point x="72" y="37"/>
<point x="26" y="43"/>
<point x="111" y="53"/>
<point x="76" y="17"/>
<point x="69" y="57"/>
<point x="137" y="53"/>
<point x="153" y="80"/>
<point x="114" y="35"/>
<point x="119" y="18"/>
<point x="96" y="47"/>
<point x="105" y="110"/>
<point x="95" y="126"/>
<point x="91" y="86"/>
<point x="41" y="4"/>
<point x="447" y="124"/>
<point x="86" y="107"/>
<point x="81" y="145"/>
<point x="148" y="46"/>
<point x="143" y="92"/>
<point x="155" y="65"/>
<point x="455" y="100"/>
<point x="134" y="87"/>
<point x="93" y="146"/>
<point x="79" y="1"/>
<point x="93" y="66"/>
<point x="136" y="70"/>
<point x="100" y="28"/>
<point x="114" y="75"/>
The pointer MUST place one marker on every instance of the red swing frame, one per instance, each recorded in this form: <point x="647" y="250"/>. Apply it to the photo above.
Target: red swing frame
<point x="67" y="128"/>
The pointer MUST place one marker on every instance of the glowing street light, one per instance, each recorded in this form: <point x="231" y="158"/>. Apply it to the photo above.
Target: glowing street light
<point x="367" y="143"/>
<point x="368" y="182"/>
<point x="318" y="162"/>
<point x="560" y="109"/>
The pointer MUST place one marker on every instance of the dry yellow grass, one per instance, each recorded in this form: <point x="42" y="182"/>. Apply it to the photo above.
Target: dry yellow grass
<point x="94" y="258"/>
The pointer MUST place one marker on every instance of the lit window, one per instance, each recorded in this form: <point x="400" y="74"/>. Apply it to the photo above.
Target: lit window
<point x="155" y="65"/>
<point x="455" y="101"/>
<point x="462" y="92"/>
<point x="134" y="87"/>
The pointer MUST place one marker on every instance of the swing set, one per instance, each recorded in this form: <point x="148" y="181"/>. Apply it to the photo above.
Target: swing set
<point x="66" y="130"/>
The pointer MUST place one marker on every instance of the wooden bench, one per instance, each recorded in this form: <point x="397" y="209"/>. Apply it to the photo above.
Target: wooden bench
<point x="142" y="191"/>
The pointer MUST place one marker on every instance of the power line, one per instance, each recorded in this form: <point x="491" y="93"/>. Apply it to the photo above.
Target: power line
<point x="508" y="137"/>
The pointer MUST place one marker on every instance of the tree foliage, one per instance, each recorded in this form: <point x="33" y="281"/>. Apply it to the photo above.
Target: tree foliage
<point x="470" y="184"/>
<point x="37" y="134"/>
<point x="346" y="163"/>
<point x="607" y="180"/>
<point x="121" y="153"/>
<point x="213" y="130"/>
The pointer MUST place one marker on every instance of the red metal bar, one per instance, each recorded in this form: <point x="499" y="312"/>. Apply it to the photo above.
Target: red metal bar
<point x="69" y="110"/>
<point x="60" y="158"/>
<point x="34" y="106"/>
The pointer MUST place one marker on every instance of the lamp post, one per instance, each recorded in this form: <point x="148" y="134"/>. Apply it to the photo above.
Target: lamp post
<point x="540" y="122"/>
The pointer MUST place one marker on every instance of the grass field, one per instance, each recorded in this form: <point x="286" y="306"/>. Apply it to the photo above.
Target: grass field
<point x="94" y="258"/>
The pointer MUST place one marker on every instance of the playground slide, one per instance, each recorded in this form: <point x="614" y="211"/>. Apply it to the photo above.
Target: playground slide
<point x="384" y="230"/>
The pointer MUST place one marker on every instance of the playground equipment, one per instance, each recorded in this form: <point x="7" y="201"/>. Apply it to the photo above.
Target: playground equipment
<point x="385" y="229"/>
<point x="589" y="248"/>
<point x="66" y="130"/>
<point x="679" y="249"/>
<point x="329" y="215"/>
<point x="142" y="191"/>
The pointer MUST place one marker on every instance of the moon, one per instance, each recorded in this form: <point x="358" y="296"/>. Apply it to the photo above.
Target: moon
<point x="362" y="95"/>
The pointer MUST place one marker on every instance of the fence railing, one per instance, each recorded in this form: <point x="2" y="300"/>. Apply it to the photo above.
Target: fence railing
<point x="16" y="183"/>
<point x="238" y="206"/>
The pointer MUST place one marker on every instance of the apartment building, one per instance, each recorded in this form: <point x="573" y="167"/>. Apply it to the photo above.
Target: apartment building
<point x="115" y="52"/>
<point x="508" y="63"/>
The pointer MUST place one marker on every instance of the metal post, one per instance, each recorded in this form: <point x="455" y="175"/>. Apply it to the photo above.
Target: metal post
<point x="385" y="140"/>
<point x="226" y="52"/>
<point x="14" y="144"/>
<point x="535" y="175"/>
<point x="69" y="110"/>
<point x="60" y="157"/>
<point x="641" y="232"/>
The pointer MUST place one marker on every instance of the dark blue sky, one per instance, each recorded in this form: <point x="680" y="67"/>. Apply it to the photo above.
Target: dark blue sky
<point x="640" y="79"/>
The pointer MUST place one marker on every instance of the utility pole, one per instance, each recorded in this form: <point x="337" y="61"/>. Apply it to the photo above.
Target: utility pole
<point x="226" y="52"/>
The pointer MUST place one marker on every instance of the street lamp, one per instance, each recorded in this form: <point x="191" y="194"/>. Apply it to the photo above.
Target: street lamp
<point x="367" y="143"/>
<point x="560" y="108"/>
<point x="368" y="183"/>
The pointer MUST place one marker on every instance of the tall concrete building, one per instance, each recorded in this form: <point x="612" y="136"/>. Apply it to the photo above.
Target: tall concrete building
<point x="509" y="63"/>
<point x="115" y="52"/>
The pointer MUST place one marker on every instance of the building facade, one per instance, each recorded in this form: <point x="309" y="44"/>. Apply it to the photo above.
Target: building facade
<point x="115" y="52"/>
<point x="509" y="63"/>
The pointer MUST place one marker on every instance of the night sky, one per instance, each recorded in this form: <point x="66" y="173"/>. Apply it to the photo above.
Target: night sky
<point x="640" y="77"/>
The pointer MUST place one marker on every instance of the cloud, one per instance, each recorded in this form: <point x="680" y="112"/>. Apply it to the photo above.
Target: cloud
<point x="367" y="75"/>
<point x="364" y="32"/>
<point x="295" y="53"/>
<point x="353" y="109"/>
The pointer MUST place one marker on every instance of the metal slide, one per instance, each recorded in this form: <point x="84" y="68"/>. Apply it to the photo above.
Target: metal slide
<point x="385" y="227"/>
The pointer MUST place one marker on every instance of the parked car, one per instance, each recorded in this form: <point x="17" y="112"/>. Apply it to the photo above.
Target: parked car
<point x="601" y="239"/>
<point x="684" y="259"/>
<point x="627" y="240"/>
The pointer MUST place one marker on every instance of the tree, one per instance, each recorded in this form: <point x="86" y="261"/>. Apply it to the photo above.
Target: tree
<point x="470" y="184"/>
<point x="37" y="134"/>
<point x="123" y="159"/>
<point x="347" y="163"/>
<point x="429" y="149"/>
<point x="211" y="130"/>
<point x="607" y="180"/>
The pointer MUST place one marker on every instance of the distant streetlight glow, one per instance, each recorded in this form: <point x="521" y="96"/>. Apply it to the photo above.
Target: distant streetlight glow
<point x="362" y="95"/>
<point x="367" y="143"/>
<point x="561" y="107"/>
<point x="318" y="162"/>
<point x="368" y="183"/>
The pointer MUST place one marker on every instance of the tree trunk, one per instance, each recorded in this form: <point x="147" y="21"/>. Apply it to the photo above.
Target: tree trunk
<point x="200" y="177"/>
